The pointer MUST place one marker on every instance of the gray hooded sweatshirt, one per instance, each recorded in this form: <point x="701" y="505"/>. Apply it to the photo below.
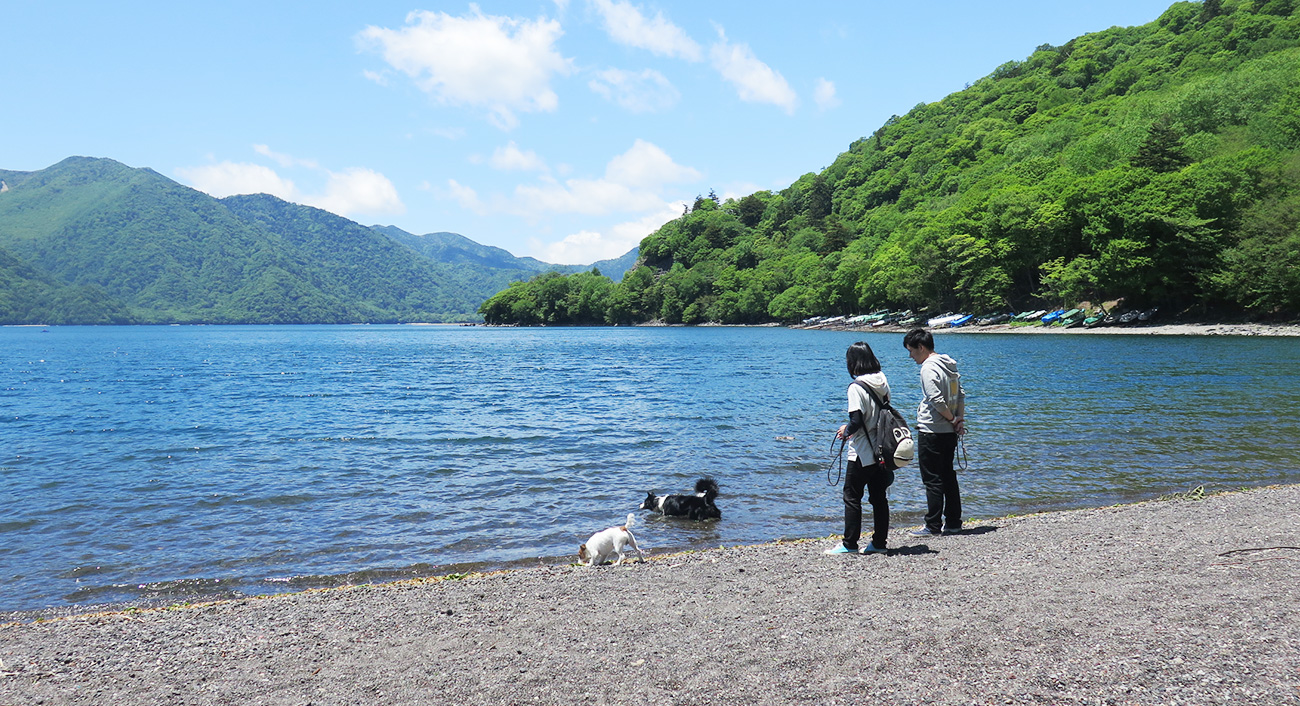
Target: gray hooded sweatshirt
<point x="941" y="391"/>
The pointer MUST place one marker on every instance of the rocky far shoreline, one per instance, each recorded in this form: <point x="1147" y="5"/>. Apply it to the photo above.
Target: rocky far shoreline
<point x="1170" y="329"/>
<point x="1182" y="601"/>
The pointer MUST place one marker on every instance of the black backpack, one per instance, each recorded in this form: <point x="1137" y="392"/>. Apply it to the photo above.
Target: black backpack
<point x="893" y="446"/>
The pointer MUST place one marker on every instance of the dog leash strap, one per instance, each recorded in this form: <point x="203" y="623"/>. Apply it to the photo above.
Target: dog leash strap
<point x="837" y="462"/>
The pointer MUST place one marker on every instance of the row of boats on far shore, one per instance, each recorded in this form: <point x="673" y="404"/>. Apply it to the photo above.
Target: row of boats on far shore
<point x="1060" y="318"/>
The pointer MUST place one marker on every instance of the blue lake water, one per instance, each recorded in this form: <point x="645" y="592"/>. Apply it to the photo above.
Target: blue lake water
<point x="172" y="463"/>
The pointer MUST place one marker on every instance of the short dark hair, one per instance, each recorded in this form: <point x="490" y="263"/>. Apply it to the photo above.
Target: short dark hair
<point x="861" y="359"/>
<point x="918" y="338"/>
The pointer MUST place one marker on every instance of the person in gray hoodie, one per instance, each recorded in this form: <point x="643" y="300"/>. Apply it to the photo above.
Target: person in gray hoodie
<point x="940" y="420"/>
<point x="863" y="472"/>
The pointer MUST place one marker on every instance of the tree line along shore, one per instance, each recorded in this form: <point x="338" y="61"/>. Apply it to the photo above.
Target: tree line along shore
<point x="1157" y="164"/>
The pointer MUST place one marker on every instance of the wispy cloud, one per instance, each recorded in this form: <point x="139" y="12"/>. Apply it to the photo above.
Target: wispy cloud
<point x="466" y="197"/>
<point x="755" y="81"/>
<point x="348" y="192"/>
<point x="824" y="94"/>
<point x="285" y="160"/>
<point x="633" y="182"/>
<point x="627" y="24"/>
<point x="500" y="64"/>
<point x="511" y="158"/>
<point x="588" y="246"/>
<point x="645" y="91"/>
<point x="230" y="178"/>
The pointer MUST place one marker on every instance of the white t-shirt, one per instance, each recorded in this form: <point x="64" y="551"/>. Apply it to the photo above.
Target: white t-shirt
<point x="860" y="443"/>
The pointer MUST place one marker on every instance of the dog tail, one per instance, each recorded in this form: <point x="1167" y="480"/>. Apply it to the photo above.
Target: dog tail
<point x="630" y="516"/>
<point x="706" y="487"/>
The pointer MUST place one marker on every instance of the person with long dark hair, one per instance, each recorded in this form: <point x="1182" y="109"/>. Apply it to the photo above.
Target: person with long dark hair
<point x="863" y="471"/>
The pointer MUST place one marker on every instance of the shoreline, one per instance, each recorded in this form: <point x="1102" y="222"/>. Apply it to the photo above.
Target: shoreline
<point x="1170" y="329"/>
<point x="1181" y="600"/>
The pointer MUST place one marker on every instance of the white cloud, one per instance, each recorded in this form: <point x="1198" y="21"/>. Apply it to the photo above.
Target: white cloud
<point x="646" y="165"/>
<point x="646" y="91"/>
<point x="284" y="160"/>
<point x="588" y="246"/>
<point x="593" y="197"/>
<point x="627" y="25"/>
<point x="377" y="77"/>
<point x="511" y="158"/>
<point x="230" y="178"/>
<point x="755" y="81"/>
<point x="356" y="190"/>
<point x="501" y="64"/>
<point x="465" y="196"/>
<point x="824" y="94"/>
<point x="632" y="183"/>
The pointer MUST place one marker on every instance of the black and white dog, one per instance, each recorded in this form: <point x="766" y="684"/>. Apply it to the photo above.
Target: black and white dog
<point x="697" y="507"/>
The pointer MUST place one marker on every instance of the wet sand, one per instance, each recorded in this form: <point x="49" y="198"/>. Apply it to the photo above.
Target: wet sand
<point x="1183" y="601"/>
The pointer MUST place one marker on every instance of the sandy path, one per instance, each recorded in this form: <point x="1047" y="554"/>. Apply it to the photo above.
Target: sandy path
<point x="1138" y="604"/>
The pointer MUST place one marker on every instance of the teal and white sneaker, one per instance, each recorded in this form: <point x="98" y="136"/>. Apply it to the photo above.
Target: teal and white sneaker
<point x="872" y="549"/>
<point x="840" y="549"/>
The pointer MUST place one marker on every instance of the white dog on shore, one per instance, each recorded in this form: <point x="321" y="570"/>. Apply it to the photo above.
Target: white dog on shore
<point x="607" y="542"/>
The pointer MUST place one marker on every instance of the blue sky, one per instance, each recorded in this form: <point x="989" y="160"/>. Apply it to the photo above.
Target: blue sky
<point x="565" y="130"/>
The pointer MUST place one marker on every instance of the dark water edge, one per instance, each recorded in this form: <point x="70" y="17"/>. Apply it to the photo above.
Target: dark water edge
<point x="198" y="591"/>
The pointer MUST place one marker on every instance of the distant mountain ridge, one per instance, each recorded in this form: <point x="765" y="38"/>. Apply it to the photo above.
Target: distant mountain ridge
<point x="93" y="241"/>
<point x="454" y="248"/>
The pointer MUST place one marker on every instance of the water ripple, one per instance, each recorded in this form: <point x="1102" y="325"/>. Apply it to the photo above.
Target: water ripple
<point x="166" y="463"/>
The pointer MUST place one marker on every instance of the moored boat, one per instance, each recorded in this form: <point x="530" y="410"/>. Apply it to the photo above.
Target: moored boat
<point x="943" y="320"/>
<point x="1052" y="317"/>
<point x="991" y="319"/>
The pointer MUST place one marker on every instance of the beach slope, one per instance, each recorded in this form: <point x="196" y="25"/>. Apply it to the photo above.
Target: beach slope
<point x="1164" y="602"/>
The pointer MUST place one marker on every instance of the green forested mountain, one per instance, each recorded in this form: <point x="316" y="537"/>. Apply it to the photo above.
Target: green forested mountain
<point x="94" y="241"/>
<point x="453" y="248"/>
<point x="1160" y="164"/>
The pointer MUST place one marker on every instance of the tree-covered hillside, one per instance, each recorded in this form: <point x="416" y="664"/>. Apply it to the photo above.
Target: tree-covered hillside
<point x="1160" y="164"/>
<point x="92" y="241"/>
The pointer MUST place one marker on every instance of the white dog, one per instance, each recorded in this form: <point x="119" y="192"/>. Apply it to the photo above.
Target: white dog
<point x="604" y="543"/>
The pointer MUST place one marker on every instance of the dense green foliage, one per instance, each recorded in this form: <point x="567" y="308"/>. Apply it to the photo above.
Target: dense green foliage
<point x="1159" y="164"/>
<point x="91" y="241"/>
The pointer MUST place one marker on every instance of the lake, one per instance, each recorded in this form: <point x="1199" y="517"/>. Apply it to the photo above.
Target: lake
<point x="180" y="462"/>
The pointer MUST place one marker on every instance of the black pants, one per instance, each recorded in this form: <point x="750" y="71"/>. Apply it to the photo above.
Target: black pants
<point x="875" y="480"/>
<point x="934" y="454"/>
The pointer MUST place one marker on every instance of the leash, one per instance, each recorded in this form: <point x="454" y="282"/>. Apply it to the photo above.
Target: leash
<point x="963" y="462"/>
<point x="837" y="462"/>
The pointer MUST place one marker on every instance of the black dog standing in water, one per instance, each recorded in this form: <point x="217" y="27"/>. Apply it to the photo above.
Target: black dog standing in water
<point x="697" y="507"/>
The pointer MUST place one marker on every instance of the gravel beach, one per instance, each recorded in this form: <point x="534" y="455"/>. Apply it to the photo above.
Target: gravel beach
<point x="1166" y="602"/>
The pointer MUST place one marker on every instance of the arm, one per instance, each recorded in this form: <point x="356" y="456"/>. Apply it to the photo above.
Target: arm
<point x="932" y="388"/>
<point x="854" y="426"/>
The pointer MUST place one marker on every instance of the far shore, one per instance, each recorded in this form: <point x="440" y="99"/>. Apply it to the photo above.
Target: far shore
<point x="1170" y="329"/>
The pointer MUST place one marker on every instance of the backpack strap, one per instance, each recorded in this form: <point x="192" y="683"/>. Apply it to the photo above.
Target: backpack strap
<point x="874" y="397"/>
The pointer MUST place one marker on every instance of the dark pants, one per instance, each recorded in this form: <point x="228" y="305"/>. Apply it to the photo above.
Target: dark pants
<point x="875" y="480"/>
<point x="934" y="454"/>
